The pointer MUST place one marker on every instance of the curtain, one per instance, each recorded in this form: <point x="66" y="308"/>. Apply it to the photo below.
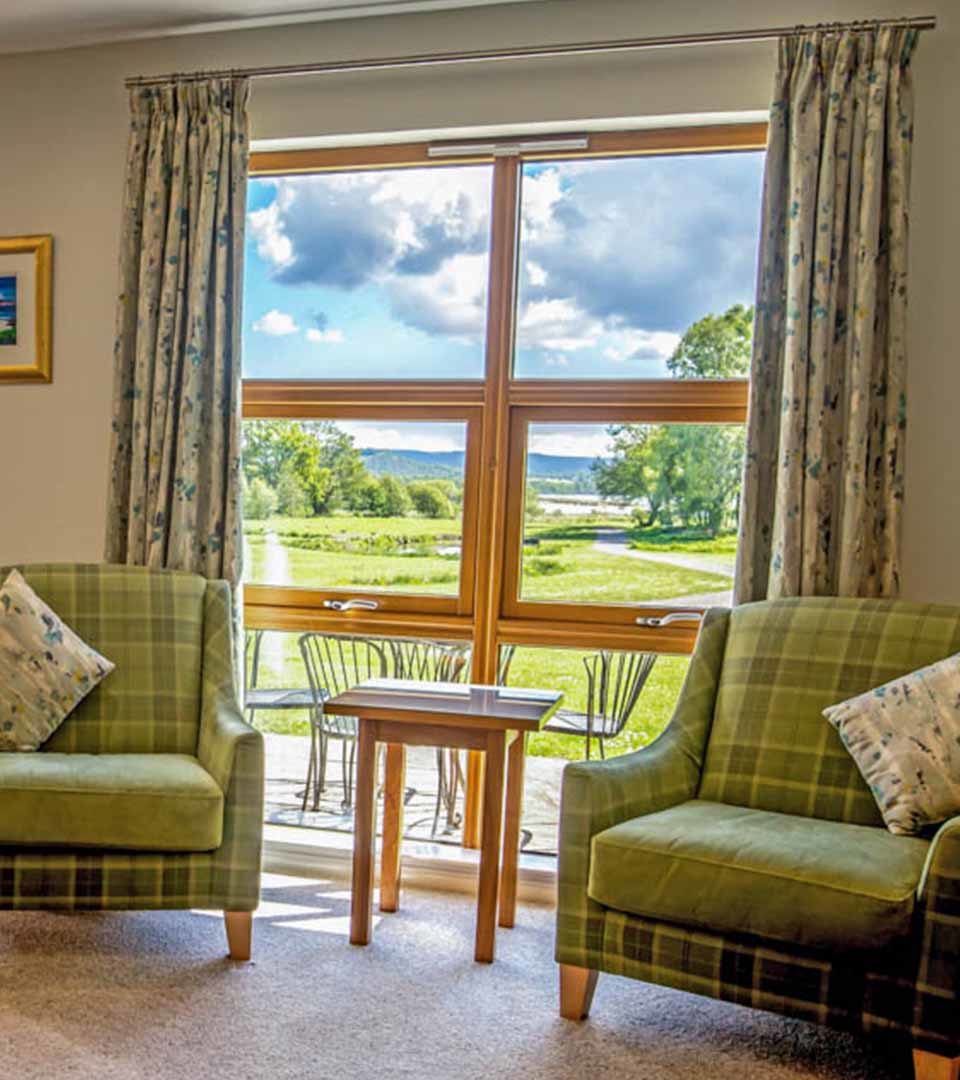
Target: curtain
<point x="823" y="480"/>
<point x="174" y="496"/>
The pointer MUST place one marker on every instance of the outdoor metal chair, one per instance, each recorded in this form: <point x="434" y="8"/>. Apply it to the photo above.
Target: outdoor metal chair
<point x="256" y="697"/>
<point x="434" y="661"/>
<point x="614" y="683"/>
<point x="334" y="663"/>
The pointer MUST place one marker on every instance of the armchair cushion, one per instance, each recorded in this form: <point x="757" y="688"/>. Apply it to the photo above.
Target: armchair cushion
<point x="134" y="802"/>
<point x="905" y="738"/>
<point x="731" y="869"/>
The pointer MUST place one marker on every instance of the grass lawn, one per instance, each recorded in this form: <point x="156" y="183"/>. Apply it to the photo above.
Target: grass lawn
<point x="564" y="564"/>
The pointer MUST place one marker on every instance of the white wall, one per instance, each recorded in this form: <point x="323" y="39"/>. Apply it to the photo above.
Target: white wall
<point x="62" y="143"/>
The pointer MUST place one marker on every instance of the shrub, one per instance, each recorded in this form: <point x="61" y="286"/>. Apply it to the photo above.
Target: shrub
<point x="259" y="500"/>
<point x="430" y="500"/>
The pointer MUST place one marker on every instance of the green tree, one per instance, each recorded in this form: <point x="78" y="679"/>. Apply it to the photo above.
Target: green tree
<point x="430" y="499"/>
<point x="687" y="474"/>
<point x="291" y="493"/>
<point x="259" y="501"/>
<point x="531" y="502"/>
<point x="715" y="347"/>
<point x="324" y="459"/>
<point x="396" y="499"/>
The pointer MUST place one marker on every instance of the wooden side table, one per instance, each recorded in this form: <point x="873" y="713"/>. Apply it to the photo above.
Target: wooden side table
<point x="402" y="713"/>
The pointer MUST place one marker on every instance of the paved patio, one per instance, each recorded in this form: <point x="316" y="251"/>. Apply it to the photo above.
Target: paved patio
<point x="288" y="756"/>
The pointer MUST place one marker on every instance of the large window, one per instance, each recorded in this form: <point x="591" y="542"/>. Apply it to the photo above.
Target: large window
<point x="499" y="399"/>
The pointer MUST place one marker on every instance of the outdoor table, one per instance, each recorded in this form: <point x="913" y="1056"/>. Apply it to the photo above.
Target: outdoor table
<point x="399" y="712"/>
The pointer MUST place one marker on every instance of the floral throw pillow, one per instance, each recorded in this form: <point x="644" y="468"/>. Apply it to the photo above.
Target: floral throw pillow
<point x="905" y="738"/>
<point x="45" y="669"/>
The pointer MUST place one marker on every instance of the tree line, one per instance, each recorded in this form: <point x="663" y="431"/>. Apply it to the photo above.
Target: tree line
<point x="310" y="468"/>
<point x="685" y="475"/>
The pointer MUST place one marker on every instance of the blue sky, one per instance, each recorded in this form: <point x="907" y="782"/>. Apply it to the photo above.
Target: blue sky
<point x="382" y="274"/>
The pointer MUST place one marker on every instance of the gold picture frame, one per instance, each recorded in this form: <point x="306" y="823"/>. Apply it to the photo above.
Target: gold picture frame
<point x="26" y="308"/>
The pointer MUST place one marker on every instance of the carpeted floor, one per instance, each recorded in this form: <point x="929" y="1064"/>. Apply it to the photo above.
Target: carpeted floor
<point x="151" y="996"/>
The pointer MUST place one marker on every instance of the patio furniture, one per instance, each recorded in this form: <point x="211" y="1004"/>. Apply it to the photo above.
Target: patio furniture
<point x="486" y="718"/>
<point x="267" y="697"/>
<point x="334" y="663"/>
<point x="435" y="661"/>
<point x="150" y="793"/>
<point x="614" y="683"/>
<point x="742" y="856"/>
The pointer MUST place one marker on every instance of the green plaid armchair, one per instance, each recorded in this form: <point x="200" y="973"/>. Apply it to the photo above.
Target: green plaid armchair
<point x="155" y="779"/>
<point x="741" y="855"/>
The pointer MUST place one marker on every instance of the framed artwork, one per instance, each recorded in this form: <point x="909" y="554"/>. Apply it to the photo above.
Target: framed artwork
<point x="26" y="312"/>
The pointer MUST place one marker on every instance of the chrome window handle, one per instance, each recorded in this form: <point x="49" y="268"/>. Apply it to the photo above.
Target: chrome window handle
<point x="672" y="617"/>
<point x="351" y="605"/>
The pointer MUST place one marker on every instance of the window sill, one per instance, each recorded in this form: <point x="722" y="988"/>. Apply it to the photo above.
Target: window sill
<point x="438" y="867"/>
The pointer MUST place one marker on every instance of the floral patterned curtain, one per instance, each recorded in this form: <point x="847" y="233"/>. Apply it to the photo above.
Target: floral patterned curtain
<point x="823" y="484"/>
<point x="174" y="498"/>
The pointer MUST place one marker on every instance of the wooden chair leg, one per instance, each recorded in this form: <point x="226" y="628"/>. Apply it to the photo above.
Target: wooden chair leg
<point x="577" y="985"/>
<point x="927" y="1066"/>
<point x="239" y="926"/>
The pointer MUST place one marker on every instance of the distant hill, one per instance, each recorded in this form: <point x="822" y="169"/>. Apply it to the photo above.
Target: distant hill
<point x="448" y="464"/>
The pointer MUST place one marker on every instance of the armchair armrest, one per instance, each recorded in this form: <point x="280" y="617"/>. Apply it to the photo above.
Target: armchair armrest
<point x="225" y="740"/>
<point x="937" y="1001"/>
<point x="232" y="752"/>
<point x="598" y="795"/>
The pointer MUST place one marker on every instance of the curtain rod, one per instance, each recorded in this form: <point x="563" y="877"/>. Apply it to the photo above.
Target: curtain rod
<point x="483" y="56"/>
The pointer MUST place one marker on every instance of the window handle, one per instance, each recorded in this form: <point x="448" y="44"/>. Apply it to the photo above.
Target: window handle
<point x="672" y="617"/>
<point x="351" y="605"/>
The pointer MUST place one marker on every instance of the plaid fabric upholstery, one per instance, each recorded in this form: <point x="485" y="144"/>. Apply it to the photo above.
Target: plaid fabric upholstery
<point x="150" y="625"/>
<point x="787" y="660"/>
<point x="208" y="724"/>
<point x="911" y="991"/>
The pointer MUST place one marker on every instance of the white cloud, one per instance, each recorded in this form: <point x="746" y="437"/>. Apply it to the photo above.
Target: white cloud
<point x="415" y="437"/>
<point x="450" y="301"/>
<point x="557" y="325"/>
<point x="276" y="324"/>
<point x="572" y="440"/>
<point x="325" y="337"/>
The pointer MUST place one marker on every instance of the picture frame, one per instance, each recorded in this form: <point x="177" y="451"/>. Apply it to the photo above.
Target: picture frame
<point x="26" y="308"/>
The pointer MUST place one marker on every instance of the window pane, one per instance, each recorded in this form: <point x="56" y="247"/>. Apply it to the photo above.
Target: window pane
<point x="622" y="260"/>
<point x="354" y="503"/>
<point x="367" y="275"/>
<point x="631" y="513"/>
<point x="650" y="697"/>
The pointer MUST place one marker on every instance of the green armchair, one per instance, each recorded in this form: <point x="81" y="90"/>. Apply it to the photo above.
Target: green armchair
<point x="741" y="855"/>
<point x="150" y="794"/>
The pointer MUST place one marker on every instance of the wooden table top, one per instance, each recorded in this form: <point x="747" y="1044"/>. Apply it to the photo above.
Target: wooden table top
<point x="463" y="704"/>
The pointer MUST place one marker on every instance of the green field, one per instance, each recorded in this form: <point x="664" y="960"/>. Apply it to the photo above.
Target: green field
<point x="400" y="553"/>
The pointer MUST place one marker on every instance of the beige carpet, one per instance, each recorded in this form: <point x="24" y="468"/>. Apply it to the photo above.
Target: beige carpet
<point x="150" y="995"/>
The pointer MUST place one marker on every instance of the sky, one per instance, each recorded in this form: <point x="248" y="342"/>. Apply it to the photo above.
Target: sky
<point x="382" y="274"/>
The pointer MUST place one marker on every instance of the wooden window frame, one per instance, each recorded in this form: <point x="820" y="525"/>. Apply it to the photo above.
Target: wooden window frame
<point x="497" y="409"/>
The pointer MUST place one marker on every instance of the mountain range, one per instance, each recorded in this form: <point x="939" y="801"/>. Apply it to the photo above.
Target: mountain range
<point x="440" y="464"/>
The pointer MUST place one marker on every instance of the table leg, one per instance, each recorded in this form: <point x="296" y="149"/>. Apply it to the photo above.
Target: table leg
<point x="490" y="846"/>
<point x="392" y="827"/>
<point x="473" y="799"/>
<point x="516" y="758"/>
<point x="364" y="835"/>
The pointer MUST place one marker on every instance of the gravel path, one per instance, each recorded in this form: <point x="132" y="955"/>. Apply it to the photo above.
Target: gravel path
<point x="616" y="542"/>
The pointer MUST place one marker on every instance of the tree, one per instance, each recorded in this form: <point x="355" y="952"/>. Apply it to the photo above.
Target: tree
<point x="687" y="474"/>
<point x="259" y="501"/>
<point x="396" y="499"/>
<point x="323" y="458"/>
<point x="430" y="500"/>
<point x="291" y="493"/>
<point x="715" y="347"/>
